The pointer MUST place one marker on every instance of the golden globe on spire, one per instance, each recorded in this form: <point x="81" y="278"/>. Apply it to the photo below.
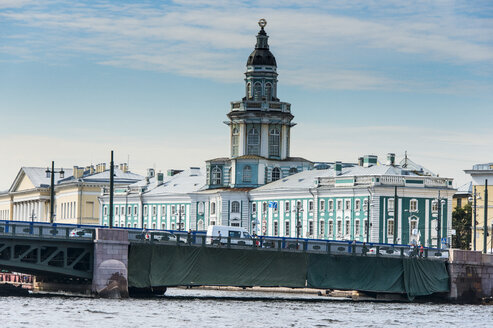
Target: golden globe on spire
<point x="262" y="22"/>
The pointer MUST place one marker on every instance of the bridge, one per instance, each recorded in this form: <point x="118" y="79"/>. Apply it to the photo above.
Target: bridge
<point x="113" y="260"/>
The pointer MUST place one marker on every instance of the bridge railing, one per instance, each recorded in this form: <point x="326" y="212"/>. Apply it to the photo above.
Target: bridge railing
<point x="286" y="244"/>
<point x="45" y="230"/>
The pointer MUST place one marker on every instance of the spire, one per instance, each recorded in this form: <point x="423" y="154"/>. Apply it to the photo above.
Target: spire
<point x="262" y="36"/>
<point x="261" y="55"/>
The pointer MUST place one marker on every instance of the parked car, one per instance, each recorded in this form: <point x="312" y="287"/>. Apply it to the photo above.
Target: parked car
<point x="164" y="236"/>
<point x="80" y="232"/>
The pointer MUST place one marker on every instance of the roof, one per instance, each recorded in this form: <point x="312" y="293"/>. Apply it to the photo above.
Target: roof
<point x="37" y="175"/>
<point x="104" y="177"/>
<point x="481" y="167"/>
<point x="410" y="165"/>
<point x="261" y="55"/>
<point x="465" y="189"/>
<point x="190" y="180"/>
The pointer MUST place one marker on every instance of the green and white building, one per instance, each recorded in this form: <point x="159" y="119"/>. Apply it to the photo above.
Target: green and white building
<point x="262" y="188"/>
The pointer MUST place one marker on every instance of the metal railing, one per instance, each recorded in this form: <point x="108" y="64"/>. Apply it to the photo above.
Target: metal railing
<point x="40" y="230"/>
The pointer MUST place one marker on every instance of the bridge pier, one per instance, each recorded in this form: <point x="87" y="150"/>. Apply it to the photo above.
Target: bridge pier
<point x="110" y="273"/>
<point x="471" y="276"/>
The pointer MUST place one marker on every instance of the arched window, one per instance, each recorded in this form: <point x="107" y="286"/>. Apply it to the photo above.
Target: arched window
<point x="293" y="170"/>
<point x="257" y="89"/>
<point x="216" y="175"/>
<point x="234" y="142"/>
<point x="249" y="90"/>
<point x="200" y="208"/>
<point x="247" y="174"/>
<point x="276" y="174"/>
<point x="274" y="141"/>
<point x="253" y="142"/>
<point x="235" y="207"/>
<point x="200" y="225"/>
<point x="268" y="92"/>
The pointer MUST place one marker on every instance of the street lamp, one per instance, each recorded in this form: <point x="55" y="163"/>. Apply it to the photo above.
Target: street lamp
<point x="51" y="173"/>
<point x="474" y="198"/>
<point x="298" y="209"/>
<point x="440" y="202"/>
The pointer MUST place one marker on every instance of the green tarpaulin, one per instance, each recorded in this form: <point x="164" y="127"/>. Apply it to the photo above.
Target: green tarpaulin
<point x="167" y="265"/>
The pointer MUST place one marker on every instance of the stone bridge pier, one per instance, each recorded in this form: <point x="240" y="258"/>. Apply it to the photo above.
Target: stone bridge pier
<point x="110" y="275"/>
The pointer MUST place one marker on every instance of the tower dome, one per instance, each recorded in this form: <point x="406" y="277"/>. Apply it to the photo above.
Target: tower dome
<point x="262" y="55"/>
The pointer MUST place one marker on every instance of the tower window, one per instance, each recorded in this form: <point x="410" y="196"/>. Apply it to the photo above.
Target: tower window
<point x="276" y="174"/>
<point x="249" y="90"/>
<point x="234" y="142"/>
<point x="257" y="89"/>
<point x="253" y="142"/>
<point x="268" y="92"/>
<point x="216" y="175"/>
<point x="274" y="141"/>
<point x="247" y="174"/>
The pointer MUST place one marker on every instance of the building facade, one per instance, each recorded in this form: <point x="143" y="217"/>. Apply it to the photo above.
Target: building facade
<point x="262" y="188"/>
<point x="77" y="194"/>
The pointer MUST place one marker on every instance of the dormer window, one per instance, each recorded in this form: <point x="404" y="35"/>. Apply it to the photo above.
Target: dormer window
<point x="216" y="176"/>
<point x="247" y="174"/>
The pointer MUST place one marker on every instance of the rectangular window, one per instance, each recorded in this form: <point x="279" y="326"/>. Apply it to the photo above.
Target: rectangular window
<point x="276" y="228"/>
<point x="390" y="227"/>
<point x="339" y="228"/>
<point x="356" y="228"/>
<point x="213" y="208"/>
<point x="322" y="205"/>
<point x="331" y="205"/>
<point x="286" y="207"/>
<point x="116" y="210"/>
<point x="163" y="226"/>
<point x="286" y="229"/>
<point x="254" y="207"/>
<point x="135" y="210"/>
<point x="154" y="210"/>
<point x="347" y="229"/>
<point x="173" y="209"/>
<point x="310" y="228"/>
<point x="145" y="210"/>
<point x="310" y="206"/>
<point x="163" y="211"/>
<point x="357" y="205"/>
<point x="339" y="205"/>
<point x="348" y="205"/>
<point x="274" y="205"/>
<point x="129" y="210"/>
<point x="322" y="228"/>
<point x="413" y="205"/>
<point x="330" y="229"/>
<point x="390" y="204"/>
<point x="459" y="202"/>
<point x="122" y="210"/>
<point x="434" y="206"/>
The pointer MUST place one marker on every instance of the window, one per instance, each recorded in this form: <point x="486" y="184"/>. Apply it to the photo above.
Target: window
<point x="347" y="205"/>
<point x="330" y="230"/>
<point x="200" y="225"/>
<point x="173" y="209"/>
<point x="459" y="202"/>
<point x="145" y="225"/>
<point x="339" y="205"/>
<point x="310" y="206"/>
<point x="434" y="206"/>
<point x="235" y="207"/>
<point x="414" y="227"/>
<point x="390" y="204"/>
<point x="331" y="205"/>
<point x="347" y="228"/>
<point x="365" y="205"/>
<point x="365" y="227"/>
<point x="249" y="90"/>
<point x="234" y="142"/>
<point x="172" y="226"/>
<point x="274" y="206"/>
<point x="390" y="227"/>
<point x="322" y="205"/>
<point x="135" y="225"/>
<point x="264" y="207"/>
<point x="135" y="210"/>
<point x="339" y="228"/>
<point x="247" y="174"/>
<point x="235" y="224"/>
<point x="413" y="205"/>
<point x="254" y="207"/>
<point x="122" y="210"/>
<point x="253" y="141"/>
<point x="163" y="211"/>
<point x="257" y="89"/>
<point x="128" y="225"/>
<point x="145" y="210"/>
<point x="268" y="91"/>
<point x="310" y="228"/>
<point x="213" y="208"/>
<point x="274" y="142"/>
<point x="356" y="228"/>
<point x="163" y="225"/>
<point x="322" y="228"/>
<point x="116" y="210"/>
<point x="154" y="226"/>
<point x="286" y="206"/>
<point x="299" y="205"/>
<point x="276" y="228"/>
<point x="357" y="205"/>
<point x="293" y="170"/>
<point x="276" y="174"/>
<point x="154" y="210"/>
<point x="216" y="175"/>
<point x="129" y="210"/>
<point x="286" y="229"/>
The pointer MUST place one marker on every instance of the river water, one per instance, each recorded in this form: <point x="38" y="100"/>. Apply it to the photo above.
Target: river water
<point x="212" y="308"/>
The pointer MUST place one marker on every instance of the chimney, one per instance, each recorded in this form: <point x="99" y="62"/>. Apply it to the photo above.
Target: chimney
<point x="78" y="172"/>
<point x="338" y="168"/>
<point x="369" y="160"/>
<point x="101" y="167"/>
<point x="160" y="178"/>
<point x="125" y="167"/>
<point x="360" y="161"/>
<point x="151" y="173"/>
<point x="391" y="159"/>
<point x="91" y="169"/>
<point x="121" y="166"/>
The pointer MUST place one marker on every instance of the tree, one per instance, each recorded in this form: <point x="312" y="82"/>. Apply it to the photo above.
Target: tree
<point x="461" y="222"/>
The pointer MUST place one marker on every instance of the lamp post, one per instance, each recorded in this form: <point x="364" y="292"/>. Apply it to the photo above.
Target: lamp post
<point x="440" y="203"/>
<point x="51" y="173"/>
<point x="298" y="209"/>
<point x="474" y="198"/>
<point x="485" y="238"/>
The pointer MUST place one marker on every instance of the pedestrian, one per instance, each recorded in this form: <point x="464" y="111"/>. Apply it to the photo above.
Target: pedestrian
<point x="219" y="238"/>
<point x="189" y="237"/>
<point x="421" y="251"/>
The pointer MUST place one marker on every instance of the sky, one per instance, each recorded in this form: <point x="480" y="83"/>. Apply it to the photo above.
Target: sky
<point x="153" y="80"/>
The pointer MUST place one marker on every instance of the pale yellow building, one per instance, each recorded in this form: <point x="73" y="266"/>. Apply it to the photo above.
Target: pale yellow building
<point x="76" y="194"/>
<point x="480" y="173"/>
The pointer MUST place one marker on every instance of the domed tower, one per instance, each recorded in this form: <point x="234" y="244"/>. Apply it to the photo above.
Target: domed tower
<point x="260" y="123"/>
